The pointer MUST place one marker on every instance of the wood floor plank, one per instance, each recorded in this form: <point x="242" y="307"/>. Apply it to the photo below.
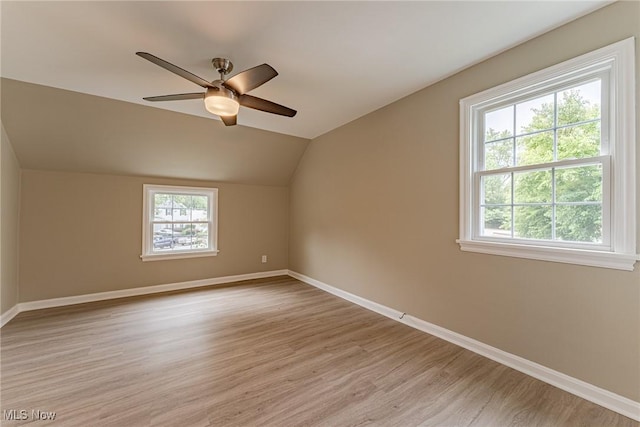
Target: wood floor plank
<point x="267" y="352"/>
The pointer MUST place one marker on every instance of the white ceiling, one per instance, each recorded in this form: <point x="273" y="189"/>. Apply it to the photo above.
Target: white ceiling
<point x="337" y="60"/>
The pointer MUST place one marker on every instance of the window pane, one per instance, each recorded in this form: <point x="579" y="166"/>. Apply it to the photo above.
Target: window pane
<point x="498" y="154"/>
<point x="532" y="222"/>
<point x="579" y="223"/>
<point x="496" y="221"/>
<point x="496" y="189"/>
<point x="532" y="187"/>
<point x="579" y="103"/>
<point x="498" y="124"/>
<point x="188" y="203"/>
<point x="183" y="236"/>
<point x="535" y="115"/>
<point x="534" y="149"/>
<point x="162" y="205"/>
<point x="200" y="208"/>
<point x="181" y="204"/>
<point x="201" y="236"/>
<point x="579" y="142"/>
<point x="162" y="237"/>
<point x="579" y="184"/>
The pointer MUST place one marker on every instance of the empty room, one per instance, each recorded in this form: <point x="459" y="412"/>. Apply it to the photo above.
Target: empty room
<point x="419" y="213"/>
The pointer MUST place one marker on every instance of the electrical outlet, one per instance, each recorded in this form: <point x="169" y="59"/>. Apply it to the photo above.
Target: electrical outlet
<point x="264" y="259"/>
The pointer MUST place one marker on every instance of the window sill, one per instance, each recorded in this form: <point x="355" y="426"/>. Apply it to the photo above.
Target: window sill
<point x="169" y="256"/>
<point x="618" y="261"/>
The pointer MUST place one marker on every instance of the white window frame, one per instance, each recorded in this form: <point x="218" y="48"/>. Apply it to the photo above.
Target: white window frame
<point x="149" y="190"/>
<point x="615" y="65"/>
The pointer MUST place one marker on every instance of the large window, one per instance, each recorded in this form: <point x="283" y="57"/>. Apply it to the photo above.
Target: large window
<point x="179" y="222"/>
<point x="547" y="163"/>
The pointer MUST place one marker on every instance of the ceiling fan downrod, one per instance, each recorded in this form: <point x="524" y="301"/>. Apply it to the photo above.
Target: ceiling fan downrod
<point x="223" y="65"/>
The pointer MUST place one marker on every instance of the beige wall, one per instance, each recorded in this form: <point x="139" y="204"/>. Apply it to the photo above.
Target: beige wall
<point x="9" y="213"/>
<point x="374" y="211"/>
<point x="81" y="233"/>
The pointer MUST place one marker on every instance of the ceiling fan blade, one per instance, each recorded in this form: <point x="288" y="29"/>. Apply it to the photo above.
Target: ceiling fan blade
<point x="250" y="79"/>
<point x="264" y="105"/>
<point x="176" y="97"/>
<point x="175" y="69"/>
<point x="229" y="120"/>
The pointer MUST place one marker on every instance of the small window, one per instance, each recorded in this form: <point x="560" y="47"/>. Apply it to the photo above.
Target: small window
<point x="179" y="222"/>
<point x="547" y="163"/>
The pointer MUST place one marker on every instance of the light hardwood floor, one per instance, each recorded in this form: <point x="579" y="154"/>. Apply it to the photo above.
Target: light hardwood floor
<point x="269" y="352"/>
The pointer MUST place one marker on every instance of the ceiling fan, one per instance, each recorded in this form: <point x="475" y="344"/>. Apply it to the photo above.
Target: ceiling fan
<point x="224" y="97"/>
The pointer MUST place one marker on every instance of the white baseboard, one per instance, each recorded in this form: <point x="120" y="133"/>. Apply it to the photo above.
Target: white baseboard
<point x="597" y="395"/>
<point x="8" y="315"/>
<point x="144" y="290"/>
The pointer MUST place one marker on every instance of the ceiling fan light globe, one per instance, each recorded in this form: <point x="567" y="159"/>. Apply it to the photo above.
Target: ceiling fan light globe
<point x="221" y="102"/>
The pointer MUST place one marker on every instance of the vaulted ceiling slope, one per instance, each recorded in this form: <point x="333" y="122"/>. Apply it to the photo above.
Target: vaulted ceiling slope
<point x="55" y="129"/>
